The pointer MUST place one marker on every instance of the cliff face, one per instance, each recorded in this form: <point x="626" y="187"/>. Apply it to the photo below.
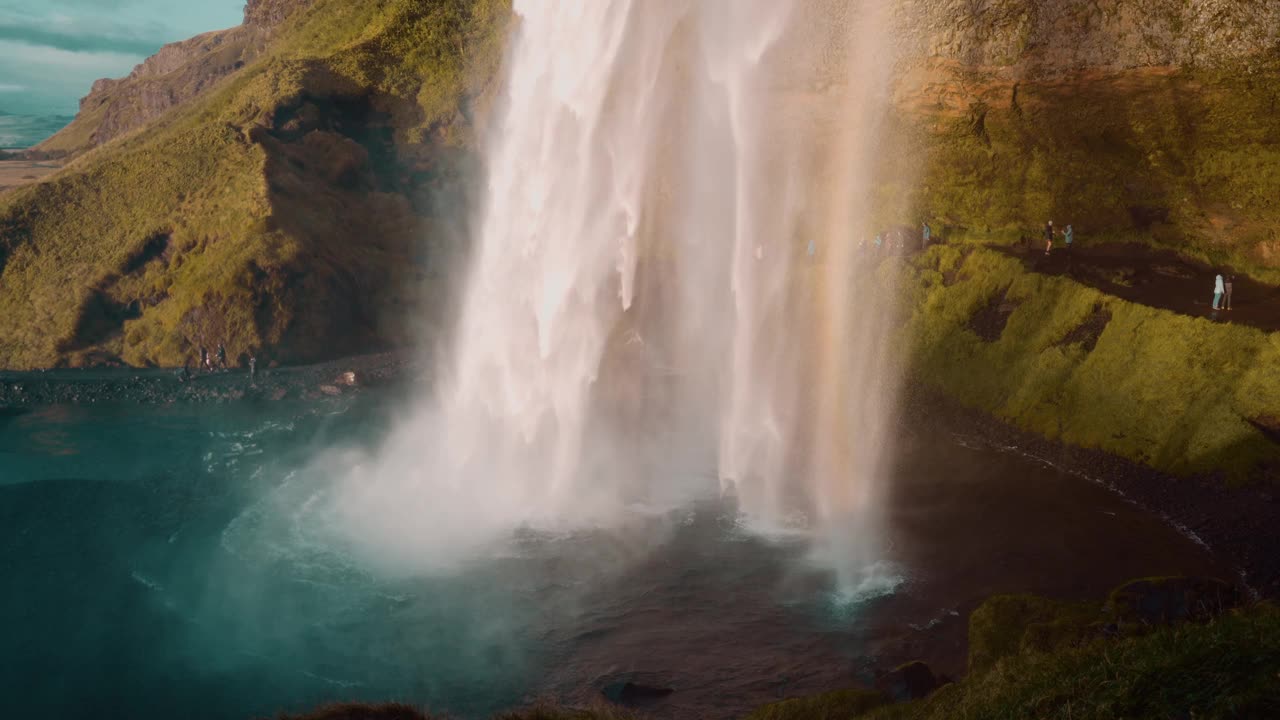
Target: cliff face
<point x="177" y="74"/>
<point x="1054" y="38"/>
<point x="1147" y="120"/>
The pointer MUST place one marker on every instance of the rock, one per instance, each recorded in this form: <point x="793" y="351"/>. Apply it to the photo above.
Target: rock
<point x="331" y="390"/>
<point x="912" y="681"/>
<point x="1169" y="600"/>
<point x="348" y="379"/>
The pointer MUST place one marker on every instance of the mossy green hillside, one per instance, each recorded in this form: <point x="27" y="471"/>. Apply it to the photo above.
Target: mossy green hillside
<point x="1174" y="392"/>
<point x="1224" y="669"/>
<point x="283" y="211"/>
<point x="1187" y="158"/>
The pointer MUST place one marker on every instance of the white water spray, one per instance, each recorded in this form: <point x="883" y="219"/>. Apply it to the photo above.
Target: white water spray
<point x="643" y="320"/>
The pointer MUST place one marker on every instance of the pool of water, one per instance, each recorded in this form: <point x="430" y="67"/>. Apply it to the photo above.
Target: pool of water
<point x="165" y="562"/>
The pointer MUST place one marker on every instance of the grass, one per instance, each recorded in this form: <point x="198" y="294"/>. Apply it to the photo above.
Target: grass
<point x="1166" y="390"/>
<point x="294" y="248"/>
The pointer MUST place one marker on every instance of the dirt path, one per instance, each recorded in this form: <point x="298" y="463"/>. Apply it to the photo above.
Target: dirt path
<point x="1156" y="278"/>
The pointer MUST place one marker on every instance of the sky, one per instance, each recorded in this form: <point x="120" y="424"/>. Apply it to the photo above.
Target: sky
<point x="51" y="51"/>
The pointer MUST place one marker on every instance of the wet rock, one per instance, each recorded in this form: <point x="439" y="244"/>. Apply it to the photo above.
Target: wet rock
<point x="1168" y="600"/>
<point x="331" y="390"/>
<point x="912" y="681"/>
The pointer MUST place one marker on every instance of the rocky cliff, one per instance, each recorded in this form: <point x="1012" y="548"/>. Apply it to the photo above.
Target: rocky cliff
<point x="177" y="74"/>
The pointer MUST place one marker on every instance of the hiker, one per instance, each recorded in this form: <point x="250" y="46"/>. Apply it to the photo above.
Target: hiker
<point x="1218" y="291"/>
<point x="879" y="241"/>
<point x="204" y="358"/>
<point x="1048" y="237"/>
<point x="253" y="369"/>
<point x="926" y="234"/>
<point x="1227" y="300"/>
<point x="1068" y="237"/>
<point x="222" y="356"/>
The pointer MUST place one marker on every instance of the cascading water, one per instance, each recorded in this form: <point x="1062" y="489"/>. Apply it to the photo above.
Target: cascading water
<point x="662" y="286"/>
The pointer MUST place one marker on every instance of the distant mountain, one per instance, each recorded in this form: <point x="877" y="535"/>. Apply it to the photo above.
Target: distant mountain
<point x="24" y="131"/>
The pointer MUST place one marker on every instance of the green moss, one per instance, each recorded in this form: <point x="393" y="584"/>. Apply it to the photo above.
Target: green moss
<point x="1006" y="625"/>
<point x="1167" y="390"/>
<point x="1224" y="669"/>
<point x="836" y="705"/>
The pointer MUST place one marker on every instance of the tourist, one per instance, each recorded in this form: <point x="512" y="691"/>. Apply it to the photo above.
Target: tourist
<point x="1048" y="237"/>
<point x="222" y="356"/>
<point x="1218" y="291"/>
<point x="1227" y="287"/>
<point x="1068" y="237"/>
<point x="925" y="235"/>
<point x="204" y="358"/>
<point x="879" y="241"/>
<point x="253" y="369"/>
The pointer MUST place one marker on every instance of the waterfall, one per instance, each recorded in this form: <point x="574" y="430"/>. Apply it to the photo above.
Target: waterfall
<point x="663" y="298"/>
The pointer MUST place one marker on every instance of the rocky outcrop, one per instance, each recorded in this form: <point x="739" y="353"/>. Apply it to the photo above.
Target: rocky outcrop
<point x="177" y="74"/>
<point x="1055" y="37"/>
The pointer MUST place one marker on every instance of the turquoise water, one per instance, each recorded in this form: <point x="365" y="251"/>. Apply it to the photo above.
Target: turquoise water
<point x="167" y="561"/>
<point x="159" y="564"/>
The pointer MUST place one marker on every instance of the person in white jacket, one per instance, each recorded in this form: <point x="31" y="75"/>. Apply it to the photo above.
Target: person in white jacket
<point x="1218" y="290"/>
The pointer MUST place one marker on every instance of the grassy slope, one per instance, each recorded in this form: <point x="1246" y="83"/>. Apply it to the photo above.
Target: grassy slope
<point x="239" y="261"/>
<point x="1171" y="391"/>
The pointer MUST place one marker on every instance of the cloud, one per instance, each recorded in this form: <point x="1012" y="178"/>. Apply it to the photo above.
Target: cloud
<point x="8" y="87"/>
<point x="64" y="33"/>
